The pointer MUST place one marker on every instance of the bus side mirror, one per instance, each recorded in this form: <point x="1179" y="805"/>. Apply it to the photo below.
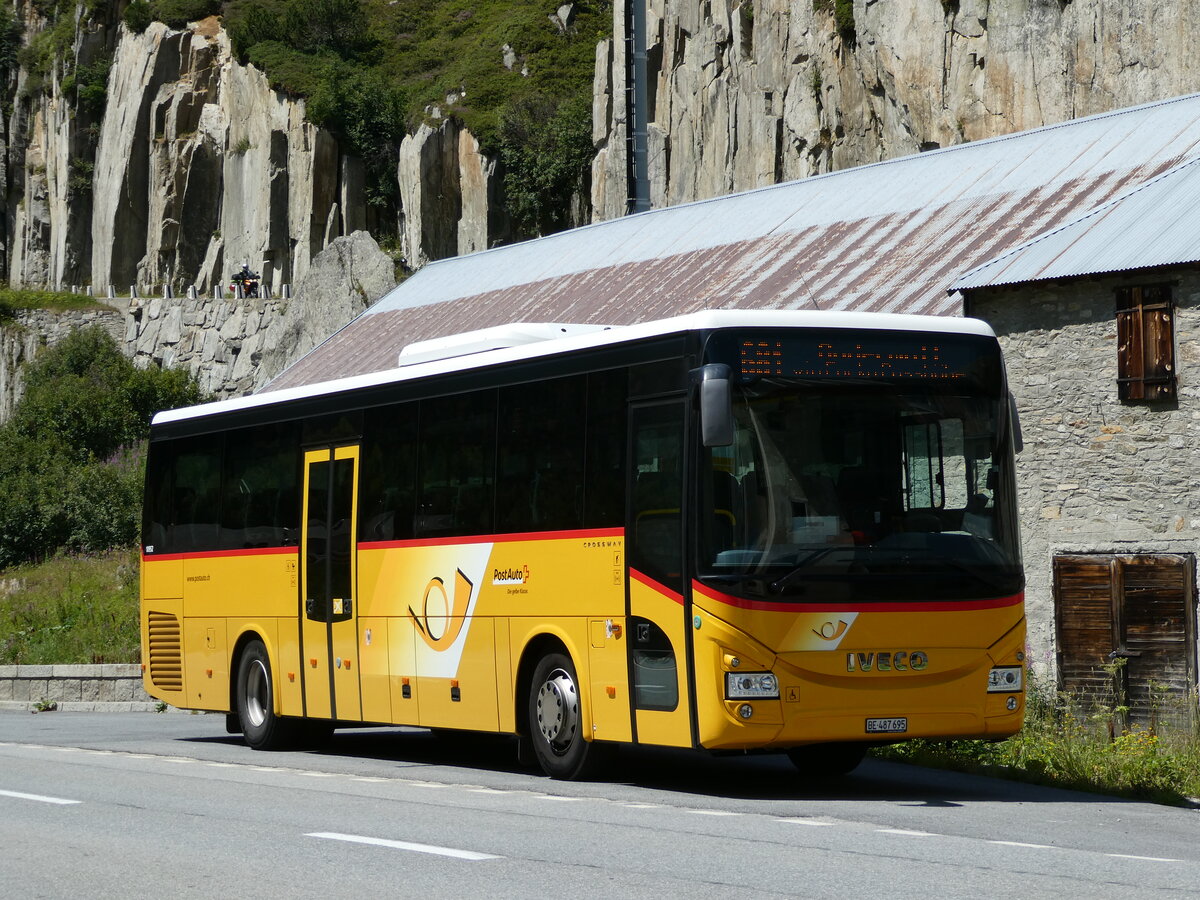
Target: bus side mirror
<point x="1018" y="442"/>
<point x="716" y="405"/>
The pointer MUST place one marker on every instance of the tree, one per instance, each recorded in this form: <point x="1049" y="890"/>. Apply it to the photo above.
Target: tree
<point x="71" y="456"/>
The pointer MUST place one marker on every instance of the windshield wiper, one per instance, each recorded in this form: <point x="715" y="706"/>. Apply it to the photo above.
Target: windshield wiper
<point x="783" y="581"/>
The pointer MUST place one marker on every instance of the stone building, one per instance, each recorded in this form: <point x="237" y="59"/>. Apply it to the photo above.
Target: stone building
<point x="1078" y="242"/>
<point x="1100" y="321"/>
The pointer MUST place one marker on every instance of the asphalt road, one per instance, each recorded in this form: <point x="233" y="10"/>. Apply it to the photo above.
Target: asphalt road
<point x="131" y="805"/>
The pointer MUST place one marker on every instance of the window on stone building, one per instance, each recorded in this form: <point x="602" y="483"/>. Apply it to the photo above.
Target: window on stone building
<point x="1145" y="343"/>
<point x="1126" y="633"/>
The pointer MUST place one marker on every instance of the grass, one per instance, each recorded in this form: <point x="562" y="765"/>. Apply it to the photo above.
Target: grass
<point x="12" y="299"/>
<point x="71" y="609"/>
<point x="1065" y="746"/>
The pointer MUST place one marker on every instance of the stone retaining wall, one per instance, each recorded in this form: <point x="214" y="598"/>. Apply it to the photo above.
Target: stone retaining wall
<point x="75" y="688"/>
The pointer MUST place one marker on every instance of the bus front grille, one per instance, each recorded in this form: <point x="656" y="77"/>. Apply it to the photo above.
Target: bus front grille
<point x="166" y="656"/>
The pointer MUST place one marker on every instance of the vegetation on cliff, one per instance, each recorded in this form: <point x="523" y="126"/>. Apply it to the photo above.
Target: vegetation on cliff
<point x="71" y="456"/>
<point x="514" y="72"/>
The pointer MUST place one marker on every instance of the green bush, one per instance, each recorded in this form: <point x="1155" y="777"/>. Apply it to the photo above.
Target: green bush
<point x="138" y="16"/>
<point x="177" y="13"/>
<point x="71" y="456"/>
<point x="546" y="147"/>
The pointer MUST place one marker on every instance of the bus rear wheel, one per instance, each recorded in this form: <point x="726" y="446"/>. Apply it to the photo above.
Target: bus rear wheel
<point x="825" y="760"/>
<point x="262" y="729"/>
<point x="556" y="722"/>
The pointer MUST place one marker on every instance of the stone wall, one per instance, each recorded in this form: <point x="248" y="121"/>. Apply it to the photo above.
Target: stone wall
<point x="1096" y="474"/>
<point x="220" y="342"/>
<point x="113" y="688"/>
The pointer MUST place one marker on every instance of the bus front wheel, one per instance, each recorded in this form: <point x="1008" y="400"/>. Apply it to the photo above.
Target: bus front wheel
<point x="556" y="722"/>
<point x="262" y="729"/>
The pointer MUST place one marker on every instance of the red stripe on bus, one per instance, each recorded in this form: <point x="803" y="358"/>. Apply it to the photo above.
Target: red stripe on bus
<point x="914" y="606"/>
<point x="216" y="554"/>
<point x="495" y="538"/>
<point x="655" y="586"/>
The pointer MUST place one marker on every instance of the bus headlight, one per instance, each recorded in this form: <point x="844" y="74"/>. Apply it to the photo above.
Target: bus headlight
<point x="1005" y="679"/>
<point x="762" y="685"/>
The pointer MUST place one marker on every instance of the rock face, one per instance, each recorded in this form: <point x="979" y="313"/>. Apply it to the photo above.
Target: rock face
<point x="753" y="92"/>
<point x="350" y="275"/>
<point x="197" y="165"/>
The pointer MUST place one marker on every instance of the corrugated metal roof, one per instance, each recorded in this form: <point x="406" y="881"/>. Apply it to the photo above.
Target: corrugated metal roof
<point x="889" y="237"/>
<point x="1156" y="223"/>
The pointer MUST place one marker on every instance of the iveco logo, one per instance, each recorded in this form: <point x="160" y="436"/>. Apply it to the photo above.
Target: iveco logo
<point x="887" y="661"/>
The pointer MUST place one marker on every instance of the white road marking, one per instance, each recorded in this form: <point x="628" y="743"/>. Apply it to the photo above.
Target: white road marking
<point x="904" y="831"/>
<point x="562" y="799"/>
<point x="808" y="822"/>
<point x="1144" y="858"/>
<point x="712" y="812"/>
<point x="39" y="798"/>
<point x="643" y="806"/>
<point x="404" y="845"/>
<point x="1023" y="844"/>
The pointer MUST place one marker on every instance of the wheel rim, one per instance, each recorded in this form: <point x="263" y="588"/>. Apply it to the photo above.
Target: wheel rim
<point x="258" y="687"/>
<point x="558" y="710"/>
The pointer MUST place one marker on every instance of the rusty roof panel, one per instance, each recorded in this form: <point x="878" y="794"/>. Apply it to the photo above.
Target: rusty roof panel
<point x="1156" y="223"/>
<point x="893" y="236"/>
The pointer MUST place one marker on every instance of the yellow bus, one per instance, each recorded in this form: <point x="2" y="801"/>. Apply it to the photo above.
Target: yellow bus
<point x="731" y="531"/>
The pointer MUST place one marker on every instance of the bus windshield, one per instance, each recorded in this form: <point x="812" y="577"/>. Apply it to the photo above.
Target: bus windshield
<point x="861" y="491"/>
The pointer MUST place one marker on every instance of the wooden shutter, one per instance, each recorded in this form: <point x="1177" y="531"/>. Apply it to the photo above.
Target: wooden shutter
<point x="1145" y="343"/>
<point x="1138" y="608"/>
<point x="1083" y="601"/>
<point x="1156" y="622"/>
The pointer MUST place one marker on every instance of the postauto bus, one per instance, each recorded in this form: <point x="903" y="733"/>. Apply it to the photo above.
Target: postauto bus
<point x="734" y="530"/>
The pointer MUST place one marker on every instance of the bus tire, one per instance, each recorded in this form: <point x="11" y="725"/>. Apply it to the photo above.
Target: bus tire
<point x="262" y="729"/>
<point x="825" y="760"/>
<point x="556" y="722"/>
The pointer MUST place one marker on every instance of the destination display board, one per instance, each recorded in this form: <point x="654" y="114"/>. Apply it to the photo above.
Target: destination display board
<point x="886" y="356"/>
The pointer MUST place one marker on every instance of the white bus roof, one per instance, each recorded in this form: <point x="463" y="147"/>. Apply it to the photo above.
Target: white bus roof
<point x="584" y="339"/>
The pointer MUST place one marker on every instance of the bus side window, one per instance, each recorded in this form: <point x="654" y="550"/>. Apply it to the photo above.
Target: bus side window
<point x="457" y="459"/>
<point x="540" y="456"/>
<point x="259" y="489"/>
<point x="196" y="495"/>
<point x="388" y="496"/>
<point x="156" y="511"/>
<point x="658" y="493"/>
<point x="604" y="464"/>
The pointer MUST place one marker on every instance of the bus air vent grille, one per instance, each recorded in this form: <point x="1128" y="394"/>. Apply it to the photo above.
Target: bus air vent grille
<point x="166" y="657"/>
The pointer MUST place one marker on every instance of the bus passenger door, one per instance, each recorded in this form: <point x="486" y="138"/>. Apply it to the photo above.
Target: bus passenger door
<point x="330" y="614"/>
<point x="658" y="606"/>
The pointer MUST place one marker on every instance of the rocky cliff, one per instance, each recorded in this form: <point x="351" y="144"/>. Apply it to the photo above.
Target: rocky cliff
<point x="750" y="92"/>
<point x="195" y="165"/>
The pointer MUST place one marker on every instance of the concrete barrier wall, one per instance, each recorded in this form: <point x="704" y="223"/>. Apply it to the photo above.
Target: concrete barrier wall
<point x="74" y="688"/>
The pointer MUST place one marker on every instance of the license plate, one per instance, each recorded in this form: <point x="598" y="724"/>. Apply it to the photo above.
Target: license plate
<point x="887" y="726"/>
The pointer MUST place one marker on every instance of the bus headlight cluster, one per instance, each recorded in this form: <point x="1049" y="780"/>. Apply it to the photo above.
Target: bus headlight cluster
<point x="1005" y="679"/>
<point x="761" y="685"/>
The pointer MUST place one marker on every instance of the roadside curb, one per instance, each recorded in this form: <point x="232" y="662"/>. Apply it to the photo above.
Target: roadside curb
<point x="37" y="706"/>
